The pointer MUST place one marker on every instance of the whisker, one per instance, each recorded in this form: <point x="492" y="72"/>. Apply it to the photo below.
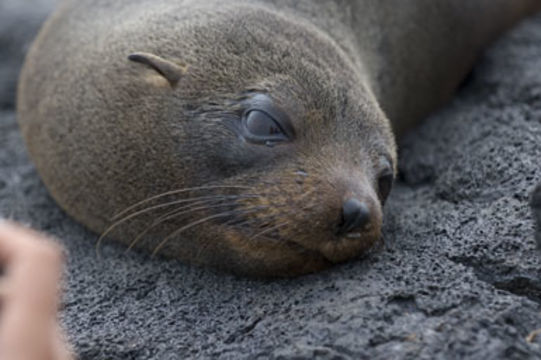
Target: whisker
<point x="174" y="192"/>
<point x="266" y="231"/>
<point x="165" y="217"/>
<point x="155" y="207"/>
<point x="198" y="222"/>
<point x="207" y="243"/>
<point x="259" y="220"/>
<point x="250" y="221"/>
<point x="171" y="215"/>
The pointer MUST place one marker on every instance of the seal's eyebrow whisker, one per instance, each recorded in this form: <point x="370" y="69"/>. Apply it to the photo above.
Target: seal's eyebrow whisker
<point x="175" y="213"/>
<point x="199" y="222"/>
<point x="175" y="192"/>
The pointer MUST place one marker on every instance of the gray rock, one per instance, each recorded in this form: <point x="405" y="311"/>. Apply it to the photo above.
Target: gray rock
<point x="19" y="22"/>
<point x="536" y="207"/>
<point x="459" y="276"/>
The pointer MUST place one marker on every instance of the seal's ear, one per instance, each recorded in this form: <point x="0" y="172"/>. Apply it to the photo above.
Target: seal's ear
<point x="168" y="69"/>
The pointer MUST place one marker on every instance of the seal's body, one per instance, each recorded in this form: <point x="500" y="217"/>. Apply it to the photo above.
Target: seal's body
<point x="252" y="136"/>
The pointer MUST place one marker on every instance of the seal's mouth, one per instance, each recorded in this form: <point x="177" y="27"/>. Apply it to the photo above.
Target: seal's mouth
<point x="333" y="250"/>
<point x="348" y="247"/>
<point x="305" y="251"/>
<point x="293" y="242"/>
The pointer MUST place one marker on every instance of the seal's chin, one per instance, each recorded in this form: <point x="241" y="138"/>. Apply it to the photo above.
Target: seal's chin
<point x="294" y="256"/>
<point x="348" y="246"/>
<point x="344" y="247"/>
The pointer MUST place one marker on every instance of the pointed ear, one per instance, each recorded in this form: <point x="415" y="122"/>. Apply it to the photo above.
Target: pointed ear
<point x="168" y="69"/>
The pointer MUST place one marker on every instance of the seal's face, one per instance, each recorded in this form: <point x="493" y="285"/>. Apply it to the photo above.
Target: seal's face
<point x="290" y="158"/>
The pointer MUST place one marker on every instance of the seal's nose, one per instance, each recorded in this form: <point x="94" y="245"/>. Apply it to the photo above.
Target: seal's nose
<point x="355" y="215"/>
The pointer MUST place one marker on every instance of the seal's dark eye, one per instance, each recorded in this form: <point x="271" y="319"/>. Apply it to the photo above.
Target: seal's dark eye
<point x="260" y="124"/>
<point x="385" y="184"/>
<point x="260" y="127"/>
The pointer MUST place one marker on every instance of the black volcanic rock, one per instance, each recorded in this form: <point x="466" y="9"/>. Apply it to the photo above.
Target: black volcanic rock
<point x="459" y="276"/>
<point x="536" y="207"/>
<point x="19" y="21"/>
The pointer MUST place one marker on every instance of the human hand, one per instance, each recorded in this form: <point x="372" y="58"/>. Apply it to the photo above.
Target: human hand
<point x="29" y="287"/>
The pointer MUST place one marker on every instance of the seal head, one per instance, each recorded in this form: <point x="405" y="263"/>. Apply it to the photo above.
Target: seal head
<point x="251" y="145"/>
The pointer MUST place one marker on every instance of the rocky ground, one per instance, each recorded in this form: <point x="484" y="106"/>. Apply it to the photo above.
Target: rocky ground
<point x="459" y="277"/>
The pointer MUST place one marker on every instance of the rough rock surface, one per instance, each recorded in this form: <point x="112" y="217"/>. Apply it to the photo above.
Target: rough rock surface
<point x="536" y="206"/>
<point x="459" y="276"/>
<point x="19" y="21"/>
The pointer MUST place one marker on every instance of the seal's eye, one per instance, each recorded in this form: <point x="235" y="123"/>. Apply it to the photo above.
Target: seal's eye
<point x="260" y="124"/>
<point x="385" y="184"/>
<point x="260" y="127"/>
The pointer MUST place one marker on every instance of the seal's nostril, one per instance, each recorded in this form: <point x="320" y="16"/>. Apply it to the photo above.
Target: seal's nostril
<point x="355" y="215"/>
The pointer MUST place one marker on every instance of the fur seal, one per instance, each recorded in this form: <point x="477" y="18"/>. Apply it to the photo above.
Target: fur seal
<point x="256" y="136"/>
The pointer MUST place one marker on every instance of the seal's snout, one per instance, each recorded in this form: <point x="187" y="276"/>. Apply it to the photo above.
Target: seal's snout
<point x="355" y="216"/>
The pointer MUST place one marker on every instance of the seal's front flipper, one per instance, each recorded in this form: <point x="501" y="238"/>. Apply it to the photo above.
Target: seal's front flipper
<point x="169" y="70"/>
<point x="536" y="207"/>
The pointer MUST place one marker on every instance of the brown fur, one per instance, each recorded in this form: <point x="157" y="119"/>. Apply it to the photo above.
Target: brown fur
<point x="106" y="132"/>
